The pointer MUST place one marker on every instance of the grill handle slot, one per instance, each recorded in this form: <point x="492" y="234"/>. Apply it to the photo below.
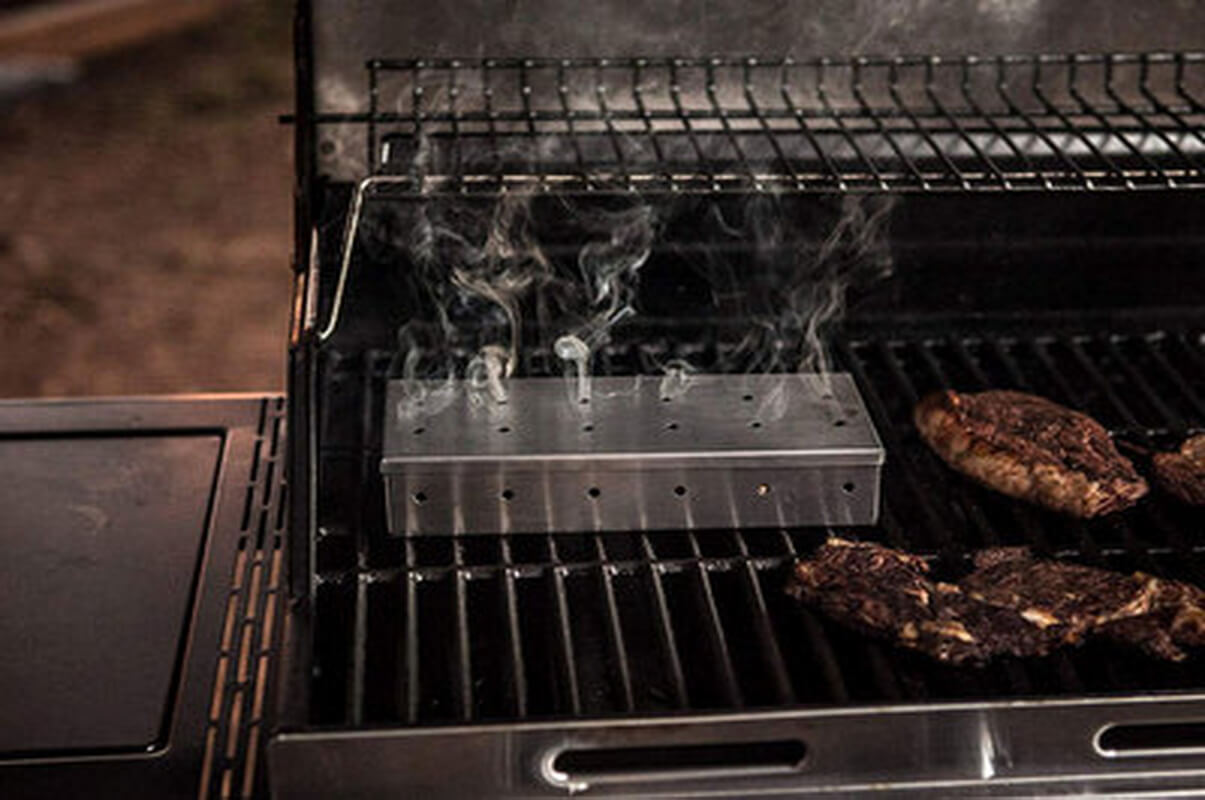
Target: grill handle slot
<point x="577" y="766"/>
<point x="1131" y="739"/>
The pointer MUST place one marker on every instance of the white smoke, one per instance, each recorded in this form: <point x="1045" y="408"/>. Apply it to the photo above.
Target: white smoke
<point x="608" y="267"/>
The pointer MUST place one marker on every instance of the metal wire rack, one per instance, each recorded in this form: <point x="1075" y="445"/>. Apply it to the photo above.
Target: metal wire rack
<point x="1039" y="122"/>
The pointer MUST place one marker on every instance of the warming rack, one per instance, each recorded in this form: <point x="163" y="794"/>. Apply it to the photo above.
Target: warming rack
<point x="996" y="123"/>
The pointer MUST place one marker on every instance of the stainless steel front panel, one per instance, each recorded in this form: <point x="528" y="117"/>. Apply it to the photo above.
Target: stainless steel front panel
<point x="1016" y="749"/>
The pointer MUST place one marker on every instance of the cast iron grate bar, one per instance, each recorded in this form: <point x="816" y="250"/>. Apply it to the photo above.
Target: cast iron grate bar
<point x="564" y="628"/>
<point x="411" y="655"/>
<point x="666" y="627"/>
<point x="719" y="646"/>
<point x="771" y="651"/>
<point x="463" y="666"/>
<point x="510" y="599"/>
<point x="920" y="123"/>
<point x="571" y="626"/>
<point x="614" y="626"/>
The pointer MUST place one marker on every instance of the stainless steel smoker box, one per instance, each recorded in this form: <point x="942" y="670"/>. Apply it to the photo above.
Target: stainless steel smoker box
<point x="714" y="451"/>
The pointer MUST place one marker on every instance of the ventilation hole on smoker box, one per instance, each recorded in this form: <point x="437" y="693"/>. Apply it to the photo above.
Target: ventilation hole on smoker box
<point x="839" y="423"/>
<point x="748" y="398"/>
<point x="418" y="431"/>
<point x="671" y="426"/>
<point x="594" y="492"/>
<point x="680" y="490"/>
<point x="419" y="498"/>
<point x="666" y="399"/>
<point x="848" y="488"/>
<point x="504" y="429"/>
<point x="584" y="401"/>
<point x="508" y="494"/>
<point x="754" y="424"/>
<point x="587" y="427"/>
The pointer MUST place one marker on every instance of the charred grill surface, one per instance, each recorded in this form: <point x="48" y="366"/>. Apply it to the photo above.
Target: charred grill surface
<point x="1183" y="473"/>
<point x="1012" y="604"/>
<point x="1032" y="449"/>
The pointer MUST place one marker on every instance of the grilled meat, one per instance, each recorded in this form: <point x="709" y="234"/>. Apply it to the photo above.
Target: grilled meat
<point x="1153" y="614"/>
<point x="1183" y="473"/>
<point x="1032" y="449"/>
<point x="1012" y="604"/>
<point x="888" y="594"/>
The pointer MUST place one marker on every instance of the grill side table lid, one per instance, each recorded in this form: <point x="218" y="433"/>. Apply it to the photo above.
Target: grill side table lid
<point x="99" y="541"/>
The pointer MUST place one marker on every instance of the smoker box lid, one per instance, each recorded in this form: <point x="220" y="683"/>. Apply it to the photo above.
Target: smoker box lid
<point x="728" y="420"/>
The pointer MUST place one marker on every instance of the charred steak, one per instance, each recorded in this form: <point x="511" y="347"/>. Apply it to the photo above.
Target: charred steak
<point x="1012" y="604"/>
<point x="888" y="594"/>
<point x="1150" y="613"/>
<point x="1032" y="449"/>
<point x="1183" y="473"/>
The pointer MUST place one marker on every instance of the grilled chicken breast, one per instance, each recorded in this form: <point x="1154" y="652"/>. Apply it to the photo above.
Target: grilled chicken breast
<point x="1032" y="449"/>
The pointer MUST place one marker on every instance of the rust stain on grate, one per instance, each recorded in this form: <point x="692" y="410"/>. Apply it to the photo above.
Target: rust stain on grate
<point x="236" y="714"/>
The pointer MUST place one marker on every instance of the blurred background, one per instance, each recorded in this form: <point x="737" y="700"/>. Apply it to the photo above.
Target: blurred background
<point x="145" y="204"/>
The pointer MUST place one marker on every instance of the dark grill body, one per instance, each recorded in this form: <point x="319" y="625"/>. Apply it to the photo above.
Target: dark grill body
<point x="565" y="661"/>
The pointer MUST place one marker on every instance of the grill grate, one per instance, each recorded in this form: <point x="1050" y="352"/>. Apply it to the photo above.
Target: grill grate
<point x="429" y="630"/>
<point x="730" y="124"/>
